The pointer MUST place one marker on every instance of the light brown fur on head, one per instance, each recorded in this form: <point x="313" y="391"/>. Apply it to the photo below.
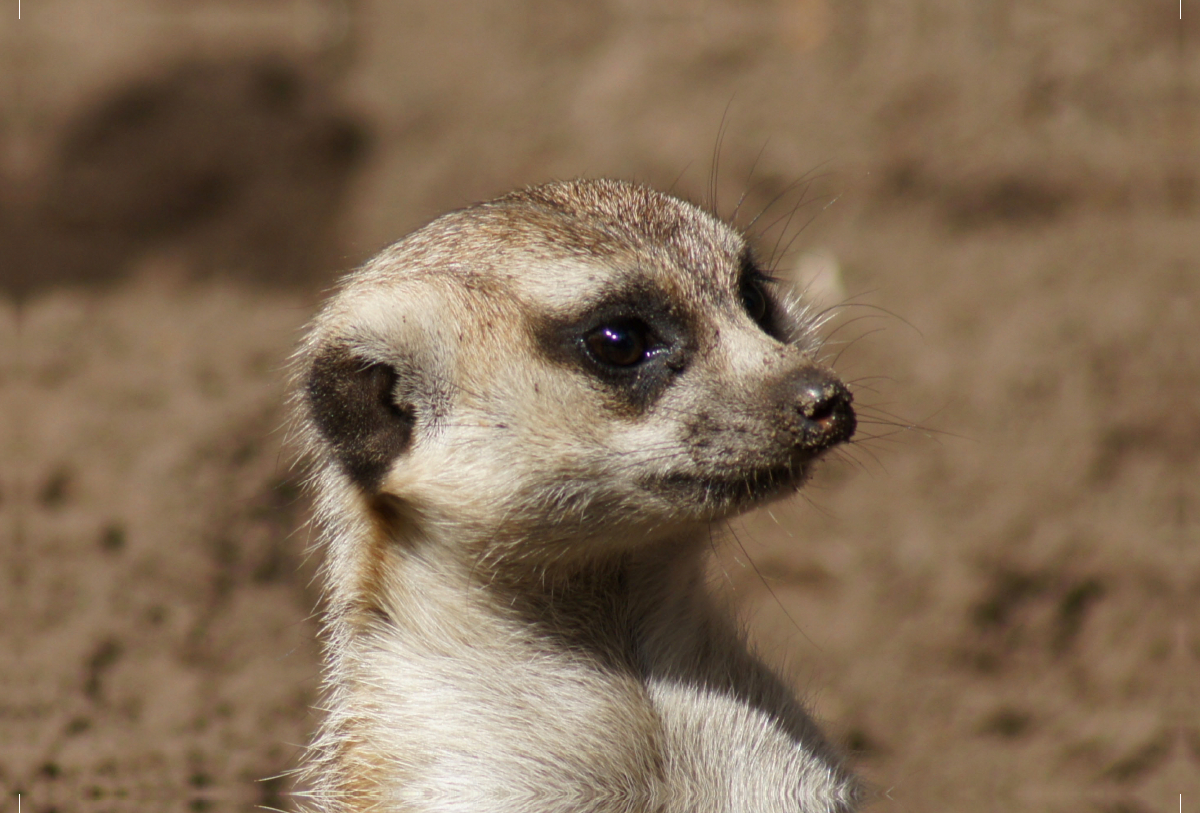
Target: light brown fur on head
<point x="523" y="420"/>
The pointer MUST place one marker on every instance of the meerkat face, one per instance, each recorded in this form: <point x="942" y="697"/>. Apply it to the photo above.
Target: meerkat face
<point x="579" y="364"/>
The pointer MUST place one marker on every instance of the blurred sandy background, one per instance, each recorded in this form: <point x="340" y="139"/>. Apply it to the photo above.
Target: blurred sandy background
<point x="997" y="611"/>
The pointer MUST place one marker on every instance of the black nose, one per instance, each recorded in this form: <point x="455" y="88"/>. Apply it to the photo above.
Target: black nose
<point x="823" y="405"/>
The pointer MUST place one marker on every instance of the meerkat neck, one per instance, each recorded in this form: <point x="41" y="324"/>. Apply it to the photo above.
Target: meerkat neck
<point x="402" y="583"/>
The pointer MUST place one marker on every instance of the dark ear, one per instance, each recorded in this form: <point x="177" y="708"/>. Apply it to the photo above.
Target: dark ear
<point x="352" y="403"/>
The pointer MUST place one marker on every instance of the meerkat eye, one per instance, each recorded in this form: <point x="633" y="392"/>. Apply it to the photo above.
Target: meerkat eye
<point x="755" y="300"/>
<point x="619" y="344"/>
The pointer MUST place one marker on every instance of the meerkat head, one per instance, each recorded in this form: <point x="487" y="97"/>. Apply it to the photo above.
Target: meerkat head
<point x="569" y="371"/>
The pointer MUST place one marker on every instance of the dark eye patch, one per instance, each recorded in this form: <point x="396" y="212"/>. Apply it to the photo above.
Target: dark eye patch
<point x="757" y="300"/>
<point x="631" y="343"/>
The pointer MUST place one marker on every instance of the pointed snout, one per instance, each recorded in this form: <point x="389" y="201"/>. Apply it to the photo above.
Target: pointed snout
<point x="822" y="405"/>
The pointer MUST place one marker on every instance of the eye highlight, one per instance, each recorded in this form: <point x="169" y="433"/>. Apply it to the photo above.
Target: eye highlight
<point x="624" y="343"/>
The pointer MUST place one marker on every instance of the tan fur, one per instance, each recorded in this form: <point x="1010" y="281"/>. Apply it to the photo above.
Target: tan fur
<point x="516" y="524"/>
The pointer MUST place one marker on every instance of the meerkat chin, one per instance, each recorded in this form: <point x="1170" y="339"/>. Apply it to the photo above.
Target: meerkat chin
<point x="524" y="419"/>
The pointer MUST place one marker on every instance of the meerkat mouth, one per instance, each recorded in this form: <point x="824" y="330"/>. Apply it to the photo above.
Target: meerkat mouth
<point x="741" y="487"/>
<point x="733" y="489"/>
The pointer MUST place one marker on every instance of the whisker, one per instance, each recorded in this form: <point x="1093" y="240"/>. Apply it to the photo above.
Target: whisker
<point x="770" y="589"/>
<point x="748" y="188"/>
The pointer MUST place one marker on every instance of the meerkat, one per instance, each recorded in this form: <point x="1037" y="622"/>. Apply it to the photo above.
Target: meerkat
<point x="524" y="421"/>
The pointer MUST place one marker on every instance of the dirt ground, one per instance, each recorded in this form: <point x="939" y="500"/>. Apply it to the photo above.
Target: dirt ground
<point x="991" y="600"/>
